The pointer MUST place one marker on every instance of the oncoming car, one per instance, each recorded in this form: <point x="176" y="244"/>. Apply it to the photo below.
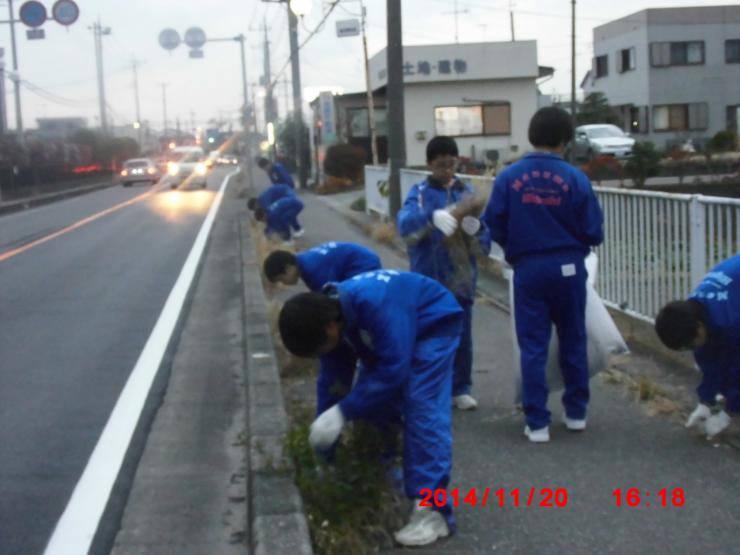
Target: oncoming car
<point x="188" y="165"/>
<point x="602" y="139"/>
<point x="138" y="169"/>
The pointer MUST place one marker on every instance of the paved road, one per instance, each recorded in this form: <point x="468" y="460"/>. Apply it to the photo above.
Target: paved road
<point x="76" y="311"/>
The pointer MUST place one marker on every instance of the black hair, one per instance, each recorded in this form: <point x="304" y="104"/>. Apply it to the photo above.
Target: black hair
<point x="677" y="323"/>
<point x="303" y="320"/>
<point x="550" y="127"/>
<point x="277" y="262"/>
<point x="262" y="162"/>
<point x="260" y="214"/>
<point x="252" y="203"/>
<point x="441" y="145"/>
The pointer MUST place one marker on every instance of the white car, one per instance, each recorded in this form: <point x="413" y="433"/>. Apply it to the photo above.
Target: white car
<point x="602" y="139"/>
<point x="138" y="169"/>
<point x="188" y="165"/>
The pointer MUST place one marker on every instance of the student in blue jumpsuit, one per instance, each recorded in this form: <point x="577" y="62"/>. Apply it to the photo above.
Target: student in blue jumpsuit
<point x="330" y="262"/>
<point x="708" y="323"/>
<point x="405" y="328"/>
<point x="442" y="249"/>
<point x="270" y="196"/>
<point x="544" y="214"/>
<point x="276" y="172"/>
<point x="281" y="216"/>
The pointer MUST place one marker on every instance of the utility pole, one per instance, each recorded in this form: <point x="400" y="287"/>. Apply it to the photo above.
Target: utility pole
<point x="137" y="124"/>
<point x="3" y="104"/>
<point x="297" y="97"/>
<point x="573" y="70"/>
<point x="16" y="77"/>
<point x="246" y="113"/>
<point x="98" y="32"/>
<point x="269" y="100"/>
<point x="396" y="127"/>
<point x="370" y="102"/>
<point x="164" y="105"/>
<point x="511" y="17"/>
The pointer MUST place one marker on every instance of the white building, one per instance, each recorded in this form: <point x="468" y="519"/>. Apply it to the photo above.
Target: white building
<point x="673" y="73"/>
<point x="483" y="94"/>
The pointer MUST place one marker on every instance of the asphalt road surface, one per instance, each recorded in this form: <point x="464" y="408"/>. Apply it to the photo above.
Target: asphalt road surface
<point x="82" y="283"/>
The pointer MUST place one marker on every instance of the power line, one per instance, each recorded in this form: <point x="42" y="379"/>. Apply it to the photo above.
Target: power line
<point x="333" y="5"/>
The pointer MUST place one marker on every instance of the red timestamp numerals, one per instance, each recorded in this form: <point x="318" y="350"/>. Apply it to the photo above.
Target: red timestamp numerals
<point x="634" y="497"/>
<point x="532" y="497"/>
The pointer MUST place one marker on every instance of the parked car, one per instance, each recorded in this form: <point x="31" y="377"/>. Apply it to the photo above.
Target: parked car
<point x="139" y="169"/>
<point x="601" y="139"/>
<point x="189" y="162"/>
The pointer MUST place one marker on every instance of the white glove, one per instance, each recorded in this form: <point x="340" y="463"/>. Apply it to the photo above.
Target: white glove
<point x="470" y="225"/>
<point x="716" y="423"/>
<point x="326" y="428"/>
<point x="700" y="414"/>
<point x="444" y="221"/>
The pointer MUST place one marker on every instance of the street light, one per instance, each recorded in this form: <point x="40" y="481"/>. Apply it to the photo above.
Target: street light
<point x="300" y="7"/>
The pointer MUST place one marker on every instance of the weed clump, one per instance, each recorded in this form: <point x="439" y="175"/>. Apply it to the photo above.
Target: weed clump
<point x="350" y="505"/>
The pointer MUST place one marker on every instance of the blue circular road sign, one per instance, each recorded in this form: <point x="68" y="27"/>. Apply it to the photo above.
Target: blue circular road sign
<point x="65" y="12"/>
<point x="169" y="39"/>
<point x="33" y="13"/>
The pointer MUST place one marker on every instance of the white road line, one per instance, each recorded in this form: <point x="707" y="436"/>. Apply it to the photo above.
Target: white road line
<point x="76" y="528"/>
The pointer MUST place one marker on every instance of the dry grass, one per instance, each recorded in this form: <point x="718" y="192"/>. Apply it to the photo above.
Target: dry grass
<point x="383" y="233"/>
<point x="653" y="397"/>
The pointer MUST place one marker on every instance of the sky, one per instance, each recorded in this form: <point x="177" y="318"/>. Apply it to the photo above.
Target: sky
<point x="201" y="90"/>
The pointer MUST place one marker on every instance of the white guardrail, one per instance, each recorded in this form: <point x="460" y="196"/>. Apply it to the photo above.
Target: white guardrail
<point x="657" y="246"/>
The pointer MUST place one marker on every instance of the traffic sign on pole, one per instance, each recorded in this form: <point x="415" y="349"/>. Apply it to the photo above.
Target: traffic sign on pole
<point x="33" y="13"/>
<point x="348" y="28"/>
<point x="35" y="34"/>
<point x="195" y="37"/>
<point x="65" y="12"/>
<point x="169" y="39"/>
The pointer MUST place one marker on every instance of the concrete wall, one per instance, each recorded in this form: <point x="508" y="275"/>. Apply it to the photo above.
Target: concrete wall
<point x="422" y="99"/>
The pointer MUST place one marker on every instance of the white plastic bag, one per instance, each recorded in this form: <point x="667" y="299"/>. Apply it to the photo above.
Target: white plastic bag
<point x="604" y="339"/>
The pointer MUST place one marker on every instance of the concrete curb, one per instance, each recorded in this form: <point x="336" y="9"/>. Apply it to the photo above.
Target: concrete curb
<point x="278" y="522"/>
<point x="25" y="204"/>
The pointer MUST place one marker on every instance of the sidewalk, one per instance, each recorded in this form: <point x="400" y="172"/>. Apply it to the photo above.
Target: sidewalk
<point x="624" y="448"/>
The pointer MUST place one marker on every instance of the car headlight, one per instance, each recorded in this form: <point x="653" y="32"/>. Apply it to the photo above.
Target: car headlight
<point x="173" y="169"/>
<point x="201" y="169"/>
<point x="124" y="173"/>
<point x="151" y="171"/>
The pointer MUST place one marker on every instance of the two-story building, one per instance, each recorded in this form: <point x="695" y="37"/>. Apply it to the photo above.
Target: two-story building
<point x="483" y="94"/>
<point x="673" y="73"/>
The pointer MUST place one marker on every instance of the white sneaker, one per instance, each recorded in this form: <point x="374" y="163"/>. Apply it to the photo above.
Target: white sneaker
<point x="574" y="425"/>
<point x="424" y="527"/>
<point x="464" y="402"/>
<point x="300" y="233"/>
<point x="537" y="436"/>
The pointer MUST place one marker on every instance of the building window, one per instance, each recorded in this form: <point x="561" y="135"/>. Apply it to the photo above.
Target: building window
<point x="359" y="123"/>
<point x="492" y="118"/>
<point x="601" y="66"/>
<point x="663" y="54"/>
<point x="681" y="117"/>
<point x="733" y="119"/>
<point x="626" y="60"/>
<point x="732" y="51"/>
<point x="638" y="119"/>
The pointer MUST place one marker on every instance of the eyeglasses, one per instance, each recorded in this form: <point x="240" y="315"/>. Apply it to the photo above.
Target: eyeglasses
<point x="446" y="164"/>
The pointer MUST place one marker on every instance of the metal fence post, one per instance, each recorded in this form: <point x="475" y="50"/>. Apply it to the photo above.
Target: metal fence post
<point x="698" y="240"/>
